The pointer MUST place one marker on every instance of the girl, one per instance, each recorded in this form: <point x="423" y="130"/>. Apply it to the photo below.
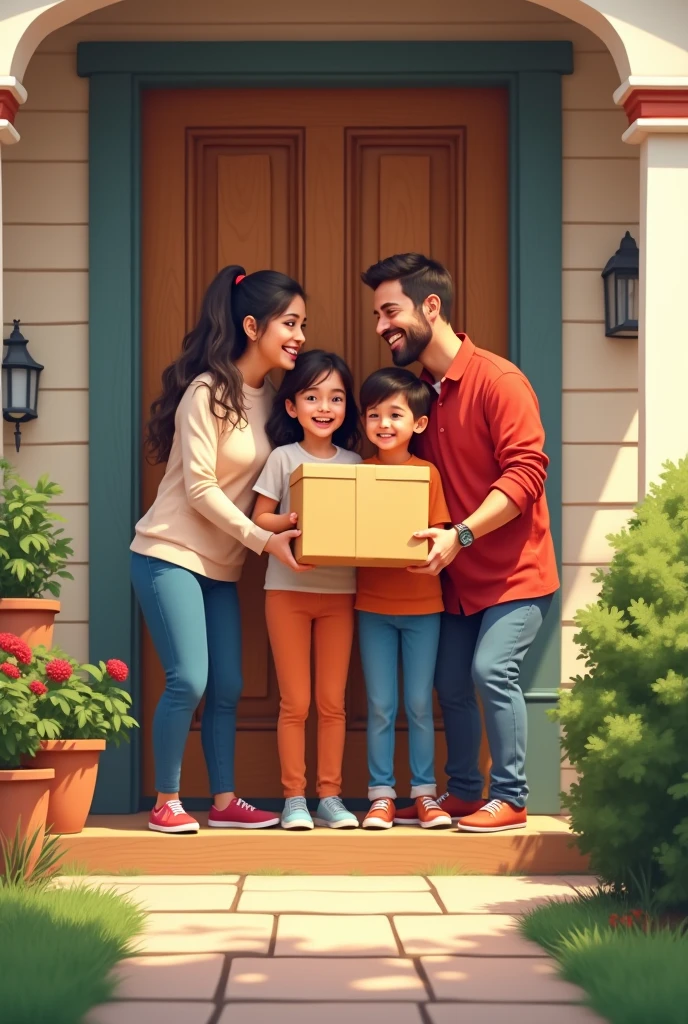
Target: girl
<point x="314" y="419"/>
<point x="208" y="425"/>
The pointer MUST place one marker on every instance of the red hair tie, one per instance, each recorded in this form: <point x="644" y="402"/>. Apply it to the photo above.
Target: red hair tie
<point x="239" y="279"/>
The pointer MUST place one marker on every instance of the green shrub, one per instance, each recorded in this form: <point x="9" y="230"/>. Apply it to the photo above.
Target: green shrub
<point x="625" y="722"/>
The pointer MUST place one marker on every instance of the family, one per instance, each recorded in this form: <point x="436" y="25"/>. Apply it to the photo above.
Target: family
<point x="464" y="620"/>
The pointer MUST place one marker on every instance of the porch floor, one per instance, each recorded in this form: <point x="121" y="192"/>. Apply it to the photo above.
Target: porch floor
<point x="119" y="843"/>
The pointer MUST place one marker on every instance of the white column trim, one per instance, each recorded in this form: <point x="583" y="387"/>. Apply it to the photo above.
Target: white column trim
<point x="649" y="82"/>
<point x="8" y="133"/>
<point x="644" y="126"/>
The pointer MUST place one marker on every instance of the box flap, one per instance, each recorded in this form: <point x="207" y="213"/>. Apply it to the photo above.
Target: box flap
<point x="419" y="474"/>
<point x="321" y="471"/>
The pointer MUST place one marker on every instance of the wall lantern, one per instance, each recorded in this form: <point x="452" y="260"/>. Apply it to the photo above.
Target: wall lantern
<point x="20" y="375"/>
<point x="621" y="290"/>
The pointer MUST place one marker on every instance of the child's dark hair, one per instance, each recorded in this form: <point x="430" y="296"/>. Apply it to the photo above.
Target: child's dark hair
<point x="312" y="367"/>
<point x="392" y="380"/>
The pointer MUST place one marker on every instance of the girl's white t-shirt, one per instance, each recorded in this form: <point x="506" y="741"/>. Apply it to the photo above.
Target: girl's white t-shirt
<point x="273" y="482"/>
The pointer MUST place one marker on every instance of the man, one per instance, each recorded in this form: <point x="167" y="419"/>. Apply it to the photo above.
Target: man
<point x="486" y="438"/>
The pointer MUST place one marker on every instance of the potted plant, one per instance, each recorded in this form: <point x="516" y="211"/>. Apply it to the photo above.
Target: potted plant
<point x="24" y="791"/>
<point x="33" y="556"/>
<point x="80" y="708"/>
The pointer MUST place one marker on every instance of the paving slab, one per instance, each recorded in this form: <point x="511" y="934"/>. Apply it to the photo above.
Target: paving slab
<point x="498" y="895"/>
<point x="337" y="979"/>
<point x="501" y="979"/>
<point x="581" y="881"/>
<point x="206" y="933"/>
<point x="169" y="977"/>
<point x="151" y="1013"/>
<point x="316" y="1013"/>
<point x="467" y="934"/>
<point x="180" y="896"/>
<point x="335" y="883"/>
<point x="325" y="935"/>
<point x="509" y="1013"/>
<point x="308" y="901"/>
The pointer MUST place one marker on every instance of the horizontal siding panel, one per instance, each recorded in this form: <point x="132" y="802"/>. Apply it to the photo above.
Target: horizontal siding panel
<point x="568" y="777"/>
<point x="38" y="297"/>
<point x="66" y="464"/>
<point x="45" y="193"/>
<point x="593" y="361"/>
<point x="46" y="247"/>
<point x="596" y="134"/>
<point x="62" y="419"/>
<point x="571" y="665"/>
<point x="577" y="589"/>
<point x="589" y="246"/>
<point x="74" y="596"/>
<point x="600" y="474"/>
<point x="63" y="350"/>
<point x="582" y="295"/>
<point x="216" y="12"/>
<point x="72" y="638"/>
<point x="53" y="84"/>
<point x="592" y="84"/>
<point x="76" y="527"/>
<point x="601" y="191"/>
<point x="585" y="531"/>
<point x="65" y="40"/>
<point x="57" y="136"/>
<point x="600" y="417"/>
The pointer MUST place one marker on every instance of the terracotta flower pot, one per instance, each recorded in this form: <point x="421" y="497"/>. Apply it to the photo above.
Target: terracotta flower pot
<point x="24" y="794"/>
<point x="31" y="618"/>
<point x="75" y="767"/>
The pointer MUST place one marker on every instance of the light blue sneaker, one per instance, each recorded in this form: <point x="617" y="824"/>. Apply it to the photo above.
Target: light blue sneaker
<point x="295" y="814"/>
<point x="332" y="813"/>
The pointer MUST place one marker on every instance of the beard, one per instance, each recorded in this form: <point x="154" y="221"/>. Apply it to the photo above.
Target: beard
<point x="416" y="338"/>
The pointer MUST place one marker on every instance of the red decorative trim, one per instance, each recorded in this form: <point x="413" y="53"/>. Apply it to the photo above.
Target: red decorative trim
<point x="656" y="103"/>
<point x="9" y="105"/>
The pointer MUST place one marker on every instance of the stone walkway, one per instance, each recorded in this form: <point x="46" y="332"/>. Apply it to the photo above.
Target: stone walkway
<point x="340" y="949"/>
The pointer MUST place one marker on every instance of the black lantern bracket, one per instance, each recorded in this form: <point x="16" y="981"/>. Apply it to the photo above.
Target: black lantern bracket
<point x="621" y="290"/>
<point x="20" y="373"/>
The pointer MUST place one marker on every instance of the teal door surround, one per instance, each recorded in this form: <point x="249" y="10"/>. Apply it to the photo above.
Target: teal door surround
<point x="118" y="73"/>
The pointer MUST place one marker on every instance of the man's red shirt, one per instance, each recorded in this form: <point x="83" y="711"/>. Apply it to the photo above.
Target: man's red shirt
<point x="485" y="433"/>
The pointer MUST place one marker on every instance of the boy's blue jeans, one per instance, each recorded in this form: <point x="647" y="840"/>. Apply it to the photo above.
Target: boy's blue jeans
<point x="379" y="637"/>
<point x="195" y="626"/>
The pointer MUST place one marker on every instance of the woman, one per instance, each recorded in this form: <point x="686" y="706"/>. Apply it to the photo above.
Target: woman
<point x="208" y="425"/>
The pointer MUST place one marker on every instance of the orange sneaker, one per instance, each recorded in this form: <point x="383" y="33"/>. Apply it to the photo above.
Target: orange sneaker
<point x="380" y="815"/>
<point x="495" y="816"/>
<point x="451" y="805"/>
<point x="430" y="814"/>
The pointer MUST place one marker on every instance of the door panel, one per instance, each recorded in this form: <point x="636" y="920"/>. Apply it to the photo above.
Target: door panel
<point x="318" y="184"/>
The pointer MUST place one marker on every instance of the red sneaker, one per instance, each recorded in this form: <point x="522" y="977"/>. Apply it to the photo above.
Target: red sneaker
<point x="239" y="814"/>
<point x="497" y="816"/>
<point x="172" y="817"/>
<point x="451" y="805"/>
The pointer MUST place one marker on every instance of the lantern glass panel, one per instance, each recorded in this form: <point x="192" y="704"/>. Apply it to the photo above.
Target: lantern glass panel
<point x="33" y="390"/>
<point x="19" y="386"/>
<point x="610" y="304"/>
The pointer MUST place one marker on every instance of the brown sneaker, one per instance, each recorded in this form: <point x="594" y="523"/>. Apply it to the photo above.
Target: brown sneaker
<point x="495" y="816"/>
<point x="451" y="805"/>
<point x="431" y="815"/>
<point x="380" y="815"/>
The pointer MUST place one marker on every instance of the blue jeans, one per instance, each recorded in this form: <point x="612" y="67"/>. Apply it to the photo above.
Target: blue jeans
<point x="484" y="652"/>
<point x="379" y="642"/>
<point x="195" y="625"/>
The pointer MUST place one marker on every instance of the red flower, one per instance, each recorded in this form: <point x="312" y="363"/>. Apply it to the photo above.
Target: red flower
<point x="58" y="670"/>
<point x="12" y="644"/>
<point x="638" y="914"/>
<point x="38" y="687"/>
<point x="613" y="920"/>
<point x="10" y="670"/>
<point x="626" y="920"/>
<point x="117" y="670"/>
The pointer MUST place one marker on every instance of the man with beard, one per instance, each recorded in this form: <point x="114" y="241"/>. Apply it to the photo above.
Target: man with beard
<point x="486" y="438"/>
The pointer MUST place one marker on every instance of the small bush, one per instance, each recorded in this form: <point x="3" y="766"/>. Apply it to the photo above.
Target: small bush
<point x="625" y="721"/>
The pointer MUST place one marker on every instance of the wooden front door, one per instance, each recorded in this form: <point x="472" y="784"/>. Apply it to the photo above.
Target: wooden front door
<point x="318" y="184"/>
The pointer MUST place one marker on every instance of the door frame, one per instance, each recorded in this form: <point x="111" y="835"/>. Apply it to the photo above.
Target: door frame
<point x="118" y="72"/>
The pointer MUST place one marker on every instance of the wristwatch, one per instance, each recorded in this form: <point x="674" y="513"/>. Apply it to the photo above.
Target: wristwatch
<point x="466" y="537"/>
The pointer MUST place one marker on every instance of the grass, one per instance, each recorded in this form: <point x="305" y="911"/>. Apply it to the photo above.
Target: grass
<point x="57" y="948"/>
<point x="81" y="870"/>
<point x="631" y="975"/>
<point x="445" y="870"/>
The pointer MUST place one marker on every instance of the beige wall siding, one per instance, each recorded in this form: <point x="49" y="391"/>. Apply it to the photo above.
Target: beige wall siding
<point x="46" y="248"/>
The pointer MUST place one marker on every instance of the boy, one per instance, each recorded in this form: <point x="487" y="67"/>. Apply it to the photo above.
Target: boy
<point x="395" y="605"/>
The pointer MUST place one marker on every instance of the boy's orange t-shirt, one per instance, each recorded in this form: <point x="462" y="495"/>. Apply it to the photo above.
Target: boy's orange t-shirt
<point x="397" y="591"/>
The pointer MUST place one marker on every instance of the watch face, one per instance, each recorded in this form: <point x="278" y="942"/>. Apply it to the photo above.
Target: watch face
<point x="465" y="536"/>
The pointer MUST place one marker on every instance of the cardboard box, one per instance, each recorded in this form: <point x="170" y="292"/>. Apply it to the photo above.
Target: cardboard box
<point x="360" y="515"/>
